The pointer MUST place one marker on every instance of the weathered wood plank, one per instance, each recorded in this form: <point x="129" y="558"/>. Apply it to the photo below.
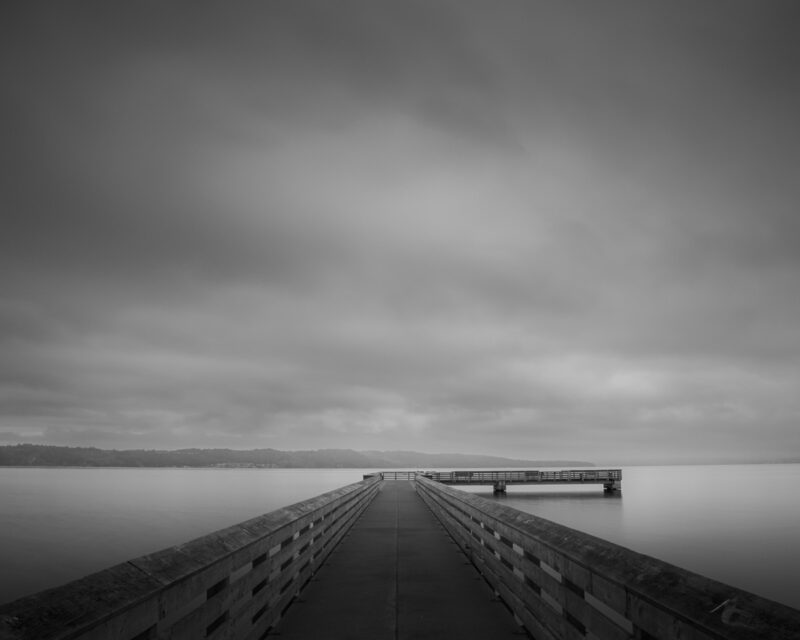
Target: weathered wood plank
<point x="122" y="590"/>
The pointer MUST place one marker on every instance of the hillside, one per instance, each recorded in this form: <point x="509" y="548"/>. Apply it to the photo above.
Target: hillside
<point x="47" y="456"/>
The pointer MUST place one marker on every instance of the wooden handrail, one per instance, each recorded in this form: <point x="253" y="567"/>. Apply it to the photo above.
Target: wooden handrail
<point x="562" y="583"/>
<point x="525" y="476"/>
<point x="234" y="583"/>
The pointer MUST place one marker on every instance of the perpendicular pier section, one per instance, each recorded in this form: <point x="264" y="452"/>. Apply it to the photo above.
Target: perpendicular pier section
<point x="611" y="479"/>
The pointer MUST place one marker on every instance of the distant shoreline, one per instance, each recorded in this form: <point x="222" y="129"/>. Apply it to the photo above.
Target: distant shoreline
<point x="387" y="468"/>
<point x="51" y="456"/>
<point x="34" y="455"/>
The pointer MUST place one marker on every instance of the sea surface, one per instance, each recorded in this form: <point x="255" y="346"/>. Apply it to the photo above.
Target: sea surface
<point x="739" y="524"/>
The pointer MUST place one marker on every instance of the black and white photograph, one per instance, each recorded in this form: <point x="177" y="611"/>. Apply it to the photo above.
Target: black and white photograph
<point x="400" y="319"/>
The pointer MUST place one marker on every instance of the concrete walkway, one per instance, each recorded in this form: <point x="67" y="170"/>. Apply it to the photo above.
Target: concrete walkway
<point x="397" y="575"/>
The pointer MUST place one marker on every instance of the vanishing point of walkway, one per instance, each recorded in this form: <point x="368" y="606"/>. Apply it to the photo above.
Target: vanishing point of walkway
<point x="397" y="575"/>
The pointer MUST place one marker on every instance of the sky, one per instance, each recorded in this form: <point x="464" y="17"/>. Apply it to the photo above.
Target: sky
<point x="532" y="229"/>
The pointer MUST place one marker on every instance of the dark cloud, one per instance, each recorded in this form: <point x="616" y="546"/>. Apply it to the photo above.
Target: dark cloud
<point x="566" y="230"/>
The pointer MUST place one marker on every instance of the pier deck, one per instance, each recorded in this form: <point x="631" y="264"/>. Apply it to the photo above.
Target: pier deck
<point x="611" y="479"/>
<point x="397" y="574"/>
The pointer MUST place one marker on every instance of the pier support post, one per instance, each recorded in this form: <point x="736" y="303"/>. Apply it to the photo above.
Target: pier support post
<point x="611" y="487"/>
<point x="500" y="486"/>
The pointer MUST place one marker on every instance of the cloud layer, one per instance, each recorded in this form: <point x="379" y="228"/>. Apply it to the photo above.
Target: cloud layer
<point x="543" y="230"/>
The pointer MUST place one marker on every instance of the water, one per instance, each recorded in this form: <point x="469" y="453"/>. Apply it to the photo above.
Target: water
<point x="737" y="524"/>
<point x="59" y="524"/>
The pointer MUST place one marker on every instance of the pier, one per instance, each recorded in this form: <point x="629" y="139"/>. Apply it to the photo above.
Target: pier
<point x="397" y="575"/>
<point x="397" y="555"/>
<point x="611" y="479"/>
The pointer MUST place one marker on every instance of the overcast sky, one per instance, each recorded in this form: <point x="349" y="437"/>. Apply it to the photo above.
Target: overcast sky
<point x="537" y="229"/>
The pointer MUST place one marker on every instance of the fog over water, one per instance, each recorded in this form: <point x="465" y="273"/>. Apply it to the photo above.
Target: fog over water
<point x="737" y="524"/>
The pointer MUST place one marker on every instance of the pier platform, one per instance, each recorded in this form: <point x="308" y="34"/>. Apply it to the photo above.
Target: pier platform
<point x="611" y="479"/>
<point x="397" y="574"/>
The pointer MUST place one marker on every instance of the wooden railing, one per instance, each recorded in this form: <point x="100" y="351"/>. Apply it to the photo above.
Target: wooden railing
<point x="234" y="583"/>
<point x="527" y="476"/>
<point x="398" y="475"/>
<point x="563" y="584"/>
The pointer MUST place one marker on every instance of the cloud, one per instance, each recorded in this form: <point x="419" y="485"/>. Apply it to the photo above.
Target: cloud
<point x="402" y="226"/>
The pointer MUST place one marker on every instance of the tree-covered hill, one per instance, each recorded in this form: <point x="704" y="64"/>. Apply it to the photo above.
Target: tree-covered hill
<point x="53" y="456"/>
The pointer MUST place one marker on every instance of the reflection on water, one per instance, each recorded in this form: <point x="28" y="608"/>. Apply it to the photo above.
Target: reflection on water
<point x="738" y="524"/>
<point x="590" y="510"/>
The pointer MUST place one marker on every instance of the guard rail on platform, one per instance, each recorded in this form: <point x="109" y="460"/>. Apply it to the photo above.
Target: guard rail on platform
<point x="563" y="584"/>
<point x="234" y="583"/>
<point x="525" y="477"/>
<point x="398" y="475"/>
<point x="611" y="479"/>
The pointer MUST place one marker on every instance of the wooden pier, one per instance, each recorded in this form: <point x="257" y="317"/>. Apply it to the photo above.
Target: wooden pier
<point x="611" y="479"/>
<point x="397" y="575"/>
<point x="398" y="555"/>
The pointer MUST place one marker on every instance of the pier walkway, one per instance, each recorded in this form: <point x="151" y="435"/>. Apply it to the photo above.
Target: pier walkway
<point x="397" y="574"/>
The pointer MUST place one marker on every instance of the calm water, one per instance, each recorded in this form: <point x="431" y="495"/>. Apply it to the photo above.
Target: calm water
<point x="738" y="524"/>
